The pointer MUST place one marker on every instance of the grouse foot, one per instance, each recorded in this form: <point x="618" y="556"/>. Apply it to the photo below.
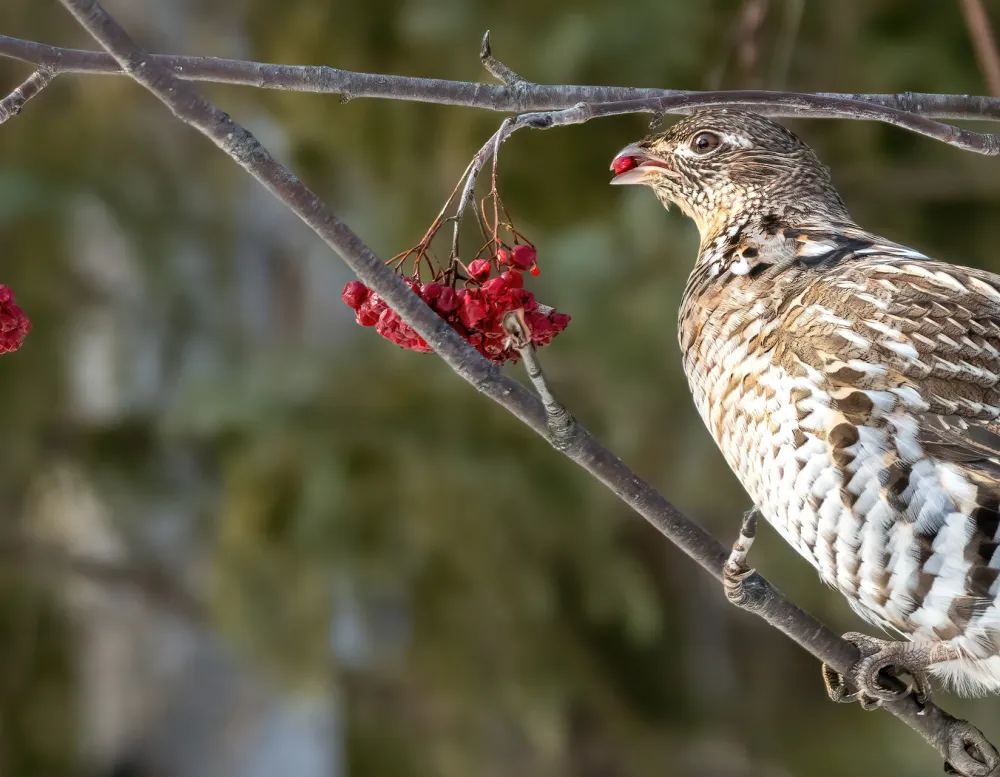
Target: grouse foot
<point x="885" y="658"/>
<point x="735" y="572"/>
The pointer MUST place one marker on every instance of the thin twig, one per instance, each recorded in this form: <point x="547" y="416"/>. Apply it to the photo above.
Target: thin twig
<point x="748" y="35"/>
<point x="498" y="69"/>
<point x="725" y="53"/>
<point x="985" y="45"/>
<point x="471" y="175"/>
<point x="560" y="422"/>
<point x="939" y="729"/>
<point x="11" y="105"/>
<point x="785" y="46"/>
<point x="539" y="97"/>
<point x="425" y="241"/>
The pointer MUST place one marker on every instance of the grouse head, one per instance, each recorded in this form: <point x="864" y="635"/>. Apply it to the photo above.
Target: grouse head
<point x="722" y="165"/>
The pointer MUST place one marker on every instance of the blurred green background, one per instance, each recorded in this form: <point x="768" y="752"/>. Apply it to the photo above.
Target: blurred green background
<point x="243" y="536"/>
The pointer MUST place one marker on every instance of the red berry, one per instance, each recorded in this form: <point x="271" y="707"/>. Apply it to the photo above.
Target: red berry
<point x="479" y="270"/>
<point x="388" y="322"/>
<point x="408" y="337"/>
<point x="495" y="287"/>
<point x="534" y="270"/>
<point x="472" y="311"/>
<point x="447" y="301"/>
<point x="524" y="299"/>
<point x="369" y="311"/>
<point x="354" y="294"/>
<point x="503" y="255"/>
<point x="559" y="320"/>
<point x="522" y="256"/>
<point x="513" y="278"/>
<point x="539" y="325"/>
<point x="623" y="164"/>
<point x="430" y="292"/>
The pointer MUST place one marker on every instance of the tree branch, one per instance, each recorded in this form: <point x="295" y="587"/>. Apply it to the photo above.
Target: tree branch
<point x="788" y="104"/>
<point x="498" y="69"/>
<point x="946" y="734"/>
<point x="535" y="97"/>
<point x="11" y="104"/>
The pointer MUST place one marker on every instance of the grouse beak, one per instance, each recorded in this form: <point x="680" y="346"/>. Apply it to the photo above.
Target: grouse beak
<point x="634" y="165"/>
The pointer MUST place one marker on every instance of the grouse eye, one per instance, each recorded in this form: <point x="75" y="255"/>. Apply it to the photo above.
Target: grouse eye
<point x="705" y="142"/>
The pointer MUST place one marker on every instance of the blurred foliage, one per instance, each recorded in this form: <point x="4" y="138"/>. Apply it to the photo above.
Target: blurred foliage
<point x="192" y="359"/>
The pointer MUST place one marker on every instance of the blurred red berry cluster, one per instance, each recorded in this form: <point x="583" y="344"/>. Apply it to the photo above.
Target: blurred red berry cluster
<point x="14" y="324"/>
<point x="476" y="312"/>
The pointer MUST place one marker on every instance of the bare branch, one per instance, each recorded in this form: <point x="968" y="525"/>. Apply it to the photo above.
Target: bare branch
<point x="942" y="731"/>
<point x="789" y="104"/>
<point x="539" y="97"/>
<point x="981" y="35"/>
<point x="609" y="101"/>
<point x="11" y="105"/>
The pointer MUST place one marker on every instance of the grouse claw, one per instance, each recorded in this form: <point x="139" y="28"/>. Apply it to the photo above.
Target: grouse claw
<point x="877" y="674"/>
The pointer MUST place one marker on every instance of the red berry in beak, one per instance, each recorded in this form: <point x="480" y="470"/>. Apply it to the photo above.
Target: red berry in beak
<point x="623" y="164"/>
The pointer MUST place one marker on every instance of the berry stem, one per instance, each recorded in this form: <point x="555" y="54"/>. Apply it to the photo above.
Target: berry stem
<point x="561" y="424"/>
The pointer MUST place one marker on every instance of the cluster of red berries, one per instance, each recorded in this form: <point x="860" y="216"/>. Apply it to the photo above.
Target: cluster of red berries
<point x="475" y="312"/>
<point x="14" y="324"/>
